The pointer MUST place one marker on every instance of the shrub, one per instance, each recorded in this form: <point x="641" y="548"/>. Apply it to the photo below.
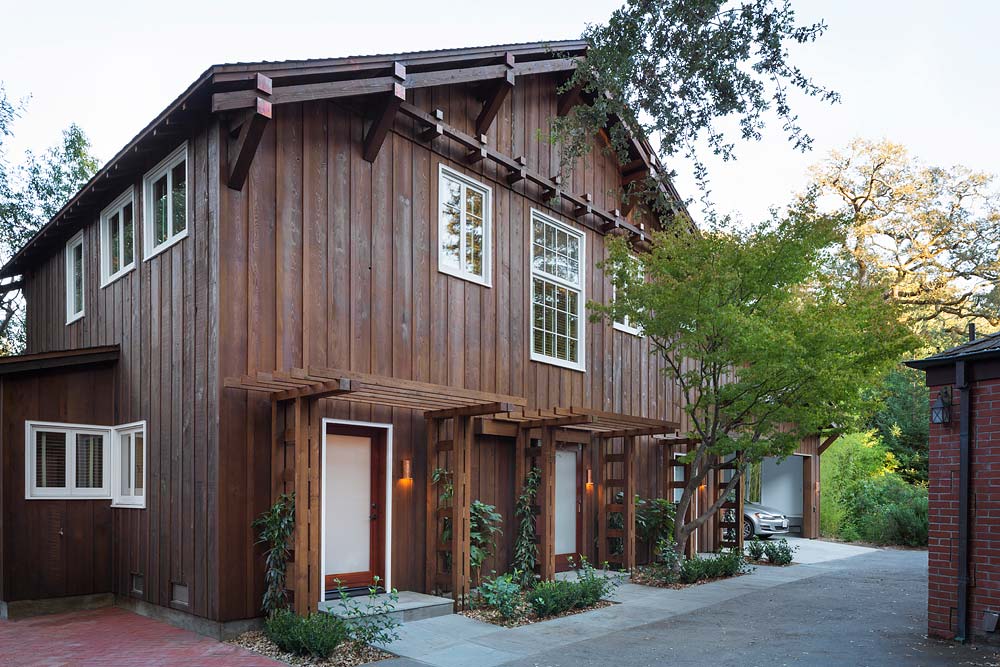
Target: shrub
<point x="593" y="585"/>
<point x="779" y="552"/>
<point x="316" y="635"/>
<point x="503" y="594"/>
<point x="667" y="555"/>
<point x="756" y="548"/>
<point x="724" y="564"/>
<point x="275" y="528"/>
<point x="371" y="623"/>
<point x="885" y="510"/>
<point x="654" y="520"/>
<point x="549" y="598"/>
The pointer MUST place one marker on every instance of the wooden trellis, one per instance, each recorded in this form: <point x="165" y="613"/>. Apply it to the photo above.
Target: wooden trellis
<point x="728" y="521"/>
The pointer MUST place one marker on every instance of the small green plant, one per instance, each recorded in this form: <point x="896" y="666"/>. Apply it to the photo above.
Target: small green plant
<point x="525" y="545"/>
<point x="654" y="520"/>
<point x="503" y="593"/>
<point x="275" y="528"/>
<point x="779" y="552"/>
<point x="484" y="527"/>
<point x="755" y="548"/>
<point x="667" y="555"/>
<point x="371" y="623"/>
<point x="593" y="585"/>
<point x="723" y="564"/>
<point x="550" y="598"/>
<point x="316" y="635"/>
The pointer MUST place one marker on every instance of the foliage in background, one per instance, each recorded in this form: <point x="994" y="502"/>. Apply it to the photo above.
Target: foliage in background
<point x="32" y="190"/>
<point x="865" y="499"/>
<point x="315" y="635"/>
<point x="373" y="622"/>
<point x="673" y="69"/>
<point x="274" y="528"/>
<point x="902" y="421"/>
<point x="927" y="236"/>
<point x="525" y="546"/>
<point x="774" y="339"/>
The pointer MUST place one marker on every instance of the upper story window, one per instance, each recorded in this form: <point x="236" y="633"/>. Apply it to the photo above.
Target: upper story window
<point x="165" y="215"/>
<point x="464" y="227"/>
<point x="130" y="464"/>
<point x="118" y="238"/>
<point x="625" y="324"/>
<point x="66" y="460"/>
<point x="74" y="278"/>
<point x="557" y="296"/>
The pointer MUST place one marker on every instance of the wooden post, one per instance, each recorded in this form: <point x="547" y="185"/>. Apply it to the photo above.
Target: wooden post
<point x="629" y="514"/>
<point x="520" y="461"/>
<point x="316" y="586"/>
<point x="740" y="494"/>
<point x="301" y="539"/>
<point x="431" y="527"/>
<point x="547" y="547"/>
<point x="602" y="502"/>
<point x="810" y="497"/>
<point x="460" y="521"/>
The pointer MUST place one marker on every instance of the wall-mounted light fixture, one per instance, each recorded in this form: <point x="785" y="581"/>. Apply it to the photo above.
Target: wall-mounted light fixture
<point x="941" y="410"/>
<point x="590" y="479"/>
<point x="407" y="470"/>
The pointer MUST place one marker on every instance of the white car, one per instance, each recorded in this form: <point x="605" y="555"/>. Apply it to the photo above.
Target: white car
<point x="763" y="521"/>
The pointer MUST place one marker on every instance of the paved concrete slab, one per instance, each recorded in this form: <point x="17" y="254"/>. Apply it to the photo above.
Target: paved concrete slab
<point x="821" y="551"/>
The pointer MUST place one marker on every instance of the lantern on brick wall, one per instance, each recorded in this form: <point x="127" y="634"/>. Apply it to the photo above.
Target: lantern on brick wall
<point x="941" y="410"/>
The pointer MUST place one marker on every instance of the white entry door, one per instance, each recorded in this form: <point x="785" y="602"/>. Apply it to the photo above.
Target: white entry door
<point x="349" y="512"/>
<point x="566" y="507"/>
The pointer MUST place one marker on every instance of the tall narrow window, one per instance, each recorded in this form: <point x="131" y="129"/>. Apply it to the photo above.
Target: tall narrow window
<point x="130" y="452"/>
<point x="166" y="203"/>
<point x="557" y="296"/>
<point x="66" y="460"/>
<point x="74" y="279"/>
<point x="464" y="230"/>
<point x="118" y="238"/>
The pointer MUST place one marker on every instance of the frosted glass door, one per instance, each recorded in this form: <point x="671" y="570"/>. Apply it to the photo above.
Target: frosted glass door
<point x="566" y="501"/>
<point x="348" y="508"/>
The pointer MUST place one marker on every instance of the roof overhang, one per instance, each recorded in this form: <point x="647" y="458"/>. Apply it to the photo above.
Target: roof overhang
<point x="40" y="361"/>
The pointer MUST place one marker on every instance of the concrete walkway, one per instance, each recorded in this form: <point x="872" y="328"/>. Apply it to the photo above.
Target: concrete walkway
<point x="864" y="609"/>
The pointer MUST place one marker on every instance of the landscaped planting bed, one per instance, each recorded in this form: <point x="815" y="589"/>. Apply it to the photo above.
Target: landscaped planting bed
<point x="669" y="572"/>
<point x="346" y="654"/>
<point x="770" y="552"/>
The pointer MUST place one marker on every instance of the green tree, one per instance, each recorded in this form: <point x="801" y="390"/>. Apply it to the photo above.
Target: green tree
<point x="765" y="345"/>
<point x="928" y="236"/>
<point x="671" y="70"/>
<point x="31" y="192"/>
<point x="902" y="421"/>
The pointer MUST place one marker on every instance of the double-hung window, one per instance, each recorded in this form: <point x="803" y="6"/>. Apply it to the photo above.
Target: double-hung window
<point x="625" y="324"/>
<point x="74" y="278"/>
<point x="130" y="464"/>
<point x="66" y="460"/>
<point x="464" y="229"/>
<point x="165" y="216"/>
<point x="118" y="238"/>
<point x="557" y="297"/>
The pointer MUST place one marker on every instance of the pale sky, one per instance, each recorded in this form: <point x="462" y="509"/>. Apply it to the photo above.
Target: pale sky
<point x="921" y="73"/>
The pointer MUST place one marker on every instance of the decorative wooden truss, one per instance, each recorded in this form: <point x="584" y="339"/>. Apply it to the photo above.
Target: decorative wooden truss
<point x="297" y="441"/>
<point x="728" y="522"/>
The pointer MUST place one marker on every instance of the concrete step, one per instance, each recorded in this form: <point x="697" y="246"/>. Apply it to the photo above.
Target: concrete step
<point x="411" y="606"/>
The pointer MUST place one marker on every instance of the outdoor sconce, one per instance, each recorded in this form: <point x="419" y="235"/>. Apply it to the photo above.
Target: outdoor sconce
<point x="407" y="475"/>
<point x="590" y="479"/>
<point x="941" y="410"/>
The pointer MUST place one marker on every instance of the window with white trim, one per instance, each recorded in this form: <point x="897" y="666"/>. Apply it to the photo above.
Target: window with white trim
<point x="118" y="238"/>
<point x="130" y="465"/>
<point x="66" y="460"/>
<point x="625" y="323"/>
<point x="74" y="278"/>
<point x="557" y="297"/>
<point x="464" y="227"/>
<point x="165" y="213"/>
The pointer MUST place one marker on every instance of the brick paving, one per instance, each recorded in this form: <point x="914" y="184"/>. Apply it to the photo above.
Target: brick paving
<point x="111" y="636"/>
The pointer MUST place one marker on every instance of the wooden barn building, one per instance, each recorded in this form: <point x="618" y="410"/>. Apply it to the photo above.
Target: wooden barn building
<point x="330" y="277"/>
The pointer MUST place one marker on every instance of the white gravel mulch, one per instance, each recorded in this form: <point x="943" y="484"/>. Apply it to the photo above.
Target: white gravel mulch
<point x="348" y="654"/>
<point x="526" y="617"/>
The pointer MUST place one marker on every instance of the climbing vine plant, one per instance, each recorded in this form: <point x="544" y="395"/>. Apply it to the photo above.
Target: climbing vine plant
<point x="525" y="544"/>
<point x="484" y="522"/>
<point x="275" y="528"/>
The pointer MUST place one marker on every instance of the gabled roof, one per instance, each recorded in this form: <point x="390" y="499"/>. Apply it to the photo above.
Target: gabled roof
<point x="980" y="348"/>
<point x="237" y="87"/>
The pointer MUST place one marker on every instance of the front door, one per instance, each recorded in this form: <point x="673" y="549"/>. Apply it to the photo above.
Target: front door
<point x="568" y="507"/>
<point x="354" y="509"/>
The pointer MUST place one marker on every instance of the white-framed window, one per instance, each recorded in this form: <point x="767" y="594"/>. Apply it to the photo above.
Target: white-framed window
<point x="66" y="461"/>
<point x="118" y="238"/>
<point x="625" y="324"/>
<point x="465" y="232"/>
<point x="557" y="295"/>
<point x="75" y="278"/>
<point x="130" y="465"/>
<point x="165" y="210"/>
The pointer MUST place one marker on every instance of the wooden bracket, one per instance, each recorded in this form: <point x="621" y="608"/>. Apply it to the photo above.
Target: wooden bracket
<point x="246" y="144"/>
<point x="479" y="153"/>
<point x="584" y="208"/>
<point x="518" y="174"/>
<point x="553" y="192"/>
<point x="436" y="129"/>
<point x="380" y="127"/>
<point x="495" y="100"/>
<point x="568" y="100"/>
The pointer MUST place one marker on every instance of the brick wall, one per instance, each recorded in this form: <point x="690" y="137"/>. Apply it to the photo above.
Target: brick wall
<point x="984" y="561"/>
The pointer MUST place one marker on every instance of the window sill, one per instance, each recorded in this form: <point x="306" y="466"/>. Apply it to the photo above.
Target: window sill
<point x="75" y="318"/>
<point x="562" y="363"/>
<point x="468" y="277"/>
<point x="118" y="276"/>
<point x="634" y="331"/>
<point x="128" y="506"/>
<point x="165" y="245"/>
<point x="65" y="496"/>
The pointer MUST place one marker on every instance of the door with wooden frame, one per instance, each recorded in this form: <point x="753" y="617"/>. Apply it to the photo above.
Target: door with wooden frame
<point x="354" y="509"/>
<point x="569" y="506"/>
